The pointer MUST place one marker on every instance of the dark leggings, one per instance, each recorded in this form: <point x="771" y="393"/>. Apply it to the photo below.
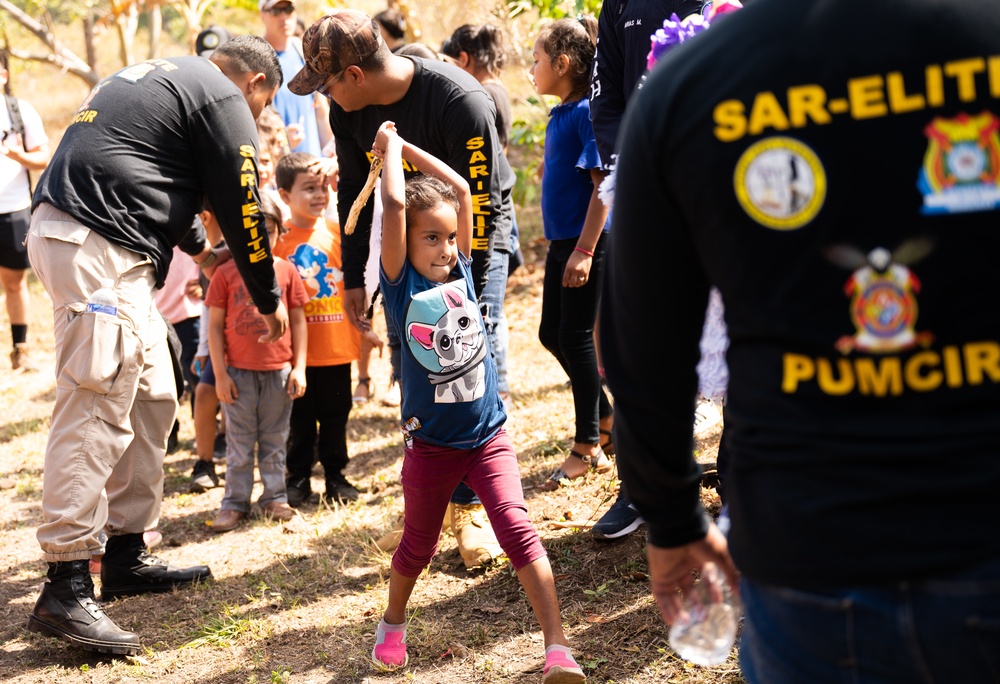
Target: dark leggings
<point x="567" y="330"/>
<point x="327" y="401"/>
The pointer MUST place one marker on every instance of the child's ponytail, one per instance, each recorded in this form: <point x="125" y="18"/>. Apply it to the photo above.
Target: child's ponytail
<point x="577" y="39"/>
<point x="483" y="44"/>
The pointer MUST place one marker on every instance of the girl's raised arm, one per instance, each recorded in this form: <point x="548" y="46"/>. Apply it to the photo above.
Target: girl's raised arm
<point x="389" y="146"/>
<point x="428" y="163"/>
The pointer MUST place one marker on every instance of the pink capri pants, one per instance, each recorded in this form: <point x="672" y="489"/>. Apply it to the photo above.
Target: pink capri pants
<point x="430" y="474"/>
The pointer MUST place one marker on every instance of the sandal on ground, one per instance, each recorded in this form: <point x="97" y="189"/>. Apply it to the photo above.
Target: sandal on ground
<point x="363" y="392"/>
<point x="599" y="463"/>
<point x="609" y="446"/>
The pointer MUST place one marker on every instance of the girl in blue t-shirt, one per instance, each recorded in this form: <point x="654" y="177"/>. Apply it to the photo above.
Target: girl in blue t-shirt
<point x="574" y="219"/>
<point x="452" y="414"/>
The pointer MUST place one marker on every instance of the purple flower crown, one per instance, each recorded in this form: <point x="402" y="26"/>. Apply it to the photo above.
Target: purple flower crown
<point x="675" y="31"/>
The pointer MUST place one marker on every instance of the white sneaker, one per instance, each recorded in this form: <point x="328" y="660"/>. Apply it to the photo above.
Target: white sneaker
<point x="707" y="414"/>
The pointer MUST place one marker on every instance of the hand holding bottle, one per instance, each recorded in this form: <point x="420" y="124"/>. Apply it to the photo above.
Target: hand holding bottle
<point x="672" y="580"/>
<point x="705" y="631"/>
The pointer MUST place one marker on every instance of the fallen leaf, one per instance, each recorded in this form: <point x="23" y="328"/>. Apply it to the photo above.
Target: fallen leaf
<point x="559" y="525"/>
<point x="455" y="651"/>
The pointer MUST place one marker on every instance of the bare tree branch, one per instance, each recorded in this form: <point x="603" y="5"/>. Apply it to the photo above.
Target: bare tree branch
<point x="59" y="56"/>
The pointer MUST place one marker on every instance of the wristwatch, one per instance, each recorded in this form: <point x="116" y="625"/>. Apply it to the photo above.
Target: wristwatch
<point x="209" y="260"/>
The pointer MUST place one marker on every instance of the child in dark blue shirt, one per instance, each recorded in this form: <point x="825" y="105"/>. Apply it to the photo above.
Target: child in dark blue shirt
<point x="452" y="414"/>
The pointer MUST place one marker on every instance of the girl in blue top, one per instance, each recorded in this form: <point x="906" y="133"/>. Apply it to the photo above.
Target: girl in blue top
<point x="452" y="414"/>
<point x="574" y="219"/>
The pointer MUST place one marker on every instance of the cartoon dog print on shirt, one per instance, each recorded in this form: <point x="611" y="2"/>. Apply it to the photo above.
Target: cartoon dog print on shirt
<point x="445" y="333"/>
<point x="320" y="280"/>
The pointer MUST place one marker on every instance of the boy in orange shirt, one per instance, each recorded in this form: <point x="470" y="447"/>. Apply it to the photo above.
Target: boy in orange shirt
<point x="256" y="383"/>
<point x="314" y="249"/>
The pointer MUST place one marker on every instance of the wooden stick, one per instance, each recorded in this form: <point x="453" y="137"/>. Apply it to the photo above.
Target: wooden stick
<point x="362" y="198"/>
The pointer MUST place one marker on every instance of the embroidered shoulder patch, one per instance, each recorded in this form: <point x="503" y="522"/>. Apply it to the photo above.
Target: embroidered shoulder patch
<point x="780" y="183"/>
<point x="960" y="171"/>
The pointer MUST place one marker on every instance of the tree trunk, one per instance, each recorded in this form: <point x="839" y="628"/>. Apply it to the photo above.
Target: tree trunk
<point x="155" y="30"/>
<point x="88" y="41"/>
<point x="127" y="23"/>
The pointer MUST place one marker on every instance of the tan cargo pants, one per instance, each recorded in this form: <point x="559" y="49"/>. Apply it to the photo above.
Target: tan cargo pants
<point x="115" y="392"/>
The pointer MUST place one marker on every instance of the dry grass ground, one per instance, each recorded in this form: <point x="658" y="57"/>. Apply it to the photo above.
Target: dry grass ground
<point x="299" y="603"/>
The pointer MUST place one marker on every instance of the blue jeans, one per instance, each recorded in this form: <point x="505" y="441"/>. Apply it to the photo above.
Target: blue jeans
<point x="941" y="630"/>
<point x="493" y="297"/>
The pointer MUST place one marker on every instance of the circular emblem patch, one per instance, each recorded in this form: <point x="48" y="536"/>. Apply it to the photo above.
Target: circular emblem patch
<point x="780" y="183"/>
<point x="884" y="309"/>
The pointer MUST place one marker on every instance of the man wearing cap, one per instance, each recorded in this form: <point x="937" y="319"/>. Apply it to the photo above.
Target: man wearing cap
<point x="147" y="148"/>
<point x="209" y="39"/>
<point x="305" y="116"/>
<point x="441" y="109"/>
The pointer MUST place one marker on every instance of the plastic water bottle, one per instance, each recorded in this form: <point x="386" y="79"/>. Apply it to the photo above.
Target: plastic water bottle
<point x="104" y="300"/>
<point x="707" y="632"/>
<point x="712" y="616"/>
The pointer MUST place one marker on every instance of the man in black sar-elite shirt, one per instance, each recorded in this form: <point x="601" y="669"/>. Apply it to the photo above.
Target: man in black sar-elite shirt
<point x="841" y="188"/>
<point x="145" y="150"/>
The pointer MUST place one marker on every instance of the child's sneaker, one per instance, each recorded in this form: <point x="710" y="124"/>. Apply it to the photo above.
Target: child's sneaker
<point x="560" y="667"/>
<point x="390" y="647"/>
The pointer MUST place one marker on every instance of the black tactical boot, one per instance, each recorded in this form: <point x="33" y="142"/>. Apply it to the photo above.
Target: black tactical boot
<point x="67" y="610"/>
<point x="128" y="569"/>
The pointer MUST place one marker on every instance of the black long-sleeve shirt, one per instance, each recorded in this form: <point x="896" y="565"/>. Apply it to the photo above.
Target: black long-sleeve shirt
<point x="447" y="113"/>
<point x="624" y="29"/>
<point x="143" y="152"/>
<point x="836" y="175"/>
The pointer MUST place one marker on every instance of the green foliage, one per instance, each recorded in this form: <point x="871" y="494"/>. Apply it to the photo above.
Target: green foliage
<point x="528" y="135"/>
<point x="61" y="11"/>
<point x="555" y="9"/>
<point x="566" y="558"/>
<point x="225" y="629"/>
<point x="593" y="664"/>
<point x="21" y="428"/>
<point x="601" y="591"/>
